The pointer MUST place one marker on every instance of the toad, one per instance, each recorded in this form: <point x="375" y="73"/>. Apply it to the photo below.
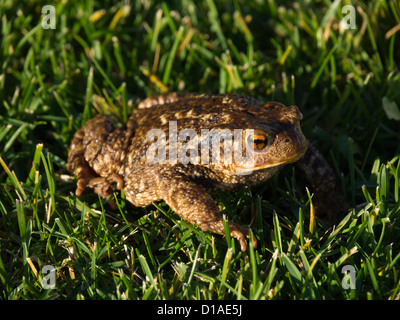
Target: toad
<point x="181" y="147"/>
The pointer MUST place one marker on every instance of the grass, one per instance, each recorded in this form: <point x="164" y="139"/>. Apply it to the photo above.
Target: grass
<point x="106" y="57"/>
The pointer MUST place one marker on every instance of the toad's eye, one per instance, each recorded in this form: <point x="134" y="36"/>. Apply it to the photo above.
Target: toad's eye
<point x="258" y="141"/>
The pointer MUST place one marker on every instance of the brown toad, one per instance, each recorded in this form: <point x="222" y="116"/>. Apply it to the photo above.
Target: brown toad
<point x="173" y="149"/>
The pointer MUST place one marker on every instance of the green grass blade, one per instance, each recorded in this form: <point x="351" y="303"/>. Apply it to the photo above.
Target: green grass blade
<point x="277" y="234"/>
<point x="293" y="270"/>
<point x="172" y="56"/>
<point x="17" y="185"/>
<point x="35" y="164"/>
<point x="224" y="273"/>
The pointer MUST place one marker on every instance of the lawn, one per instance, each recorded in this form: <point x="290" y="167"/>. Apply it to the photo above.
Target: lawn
<point x="105" y="56"/>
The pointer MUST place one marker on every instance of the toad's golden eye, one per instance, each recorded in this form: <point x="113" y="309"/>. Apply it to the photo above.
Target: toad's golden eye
<point x="258" y="141"/>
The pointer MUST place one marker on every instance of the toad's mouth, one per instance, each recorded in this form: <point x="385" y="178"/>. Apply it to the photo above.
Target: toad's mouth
<point x="248" y="168"/>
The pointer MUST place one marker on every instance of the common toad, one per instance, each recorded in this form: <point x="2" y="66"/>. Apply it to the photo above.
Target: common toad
<point x="173" y="149"/>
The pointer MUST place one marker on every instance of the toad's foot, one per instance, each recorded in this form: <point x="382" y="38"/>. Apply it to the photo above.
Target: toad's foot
<point x="102" y="185"/>
<point x="236" y="231"/>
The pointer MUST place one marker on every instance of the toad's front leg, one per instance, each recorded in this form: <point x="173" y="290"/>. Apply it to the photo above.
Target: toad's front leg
<point x="195" y="205"/>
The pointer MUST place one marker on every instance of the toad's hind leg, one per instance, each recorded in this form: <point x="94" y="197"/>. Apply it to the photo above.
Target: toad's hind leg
<point x="77" y="163"/>
<point x="95" y="154"/>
